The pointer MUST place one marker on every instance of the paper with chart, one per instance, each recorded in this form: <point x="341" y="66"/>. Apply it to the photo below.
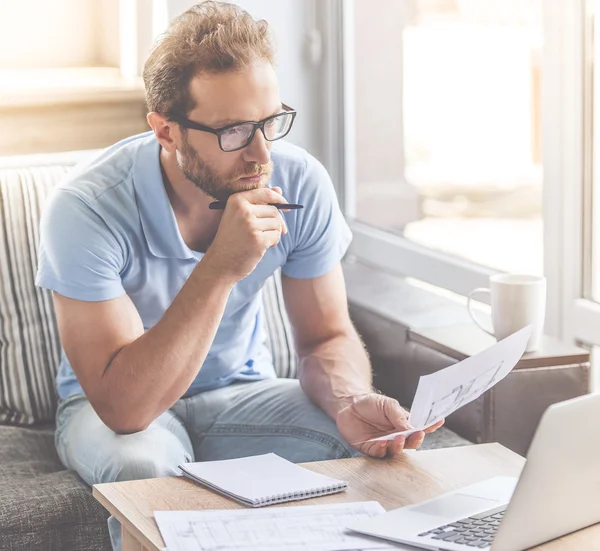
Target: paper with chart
<point x="443" y="392"/>
<point x="298" y="528"/>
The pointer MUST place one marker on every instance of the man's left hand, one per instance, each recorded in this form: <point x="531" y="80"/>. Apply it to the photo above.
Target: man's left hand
<point x="374" y="415"/>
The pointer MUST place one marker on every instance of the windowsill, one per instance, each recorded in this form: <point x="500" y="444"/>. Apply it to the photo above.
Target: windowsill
<point x="438" y="319"/>
<point x="395" y="254"/>
<point x="404" y="300"/>
<point x="43" y="87"/>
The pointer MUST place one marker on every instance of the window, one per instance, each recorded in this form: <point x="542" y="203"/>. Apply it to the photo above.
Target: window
<point x="87" y="41"/>
<point x="36" y="34"/>
<point x="470" y="144"/>
<point x="448" y="120"/>
<point x="66" y="62"/>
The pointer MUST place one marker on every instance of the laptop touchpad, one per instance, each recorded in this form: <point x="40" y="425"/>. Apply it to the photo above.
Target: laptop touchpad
<point x="455" y="505"/>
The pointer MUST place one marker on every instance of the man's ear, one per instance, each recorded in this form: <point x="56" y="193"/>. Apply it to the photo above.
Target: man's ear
<point x="166" y="131"/>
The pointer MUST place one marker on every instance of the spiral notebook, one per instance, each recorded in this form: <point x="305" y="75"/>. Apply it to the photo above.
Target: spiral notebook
<point x="261" y="480"/>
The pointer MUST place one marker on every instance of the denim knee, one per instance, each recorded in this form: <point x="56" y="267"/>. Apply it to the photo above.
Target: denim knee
<point x="131" y="458"/>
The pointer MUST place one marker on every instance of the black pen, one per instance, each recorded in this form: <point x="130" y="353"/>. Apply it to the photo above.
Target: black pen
<point x="220" y="205"/>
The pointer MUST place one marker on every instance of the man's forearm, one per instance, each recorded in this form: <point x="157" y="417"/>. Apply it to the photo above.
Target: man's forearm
<point x="335" y="371"/>
<point x="149" y="375"/>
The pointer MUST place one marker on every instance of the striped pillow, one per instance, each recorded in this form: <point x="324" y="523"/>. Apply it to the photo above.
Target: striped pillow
<point x="29" y="342"/>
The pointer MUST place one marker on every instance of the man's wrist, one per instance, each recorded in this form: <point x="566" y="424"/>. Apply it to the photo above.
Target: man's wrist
<point x="211" y="270"/>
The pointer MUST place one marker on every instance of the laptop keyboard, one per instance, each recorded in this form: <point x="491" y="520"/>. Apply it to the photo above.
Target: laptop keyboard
<point x="476" y="531"/>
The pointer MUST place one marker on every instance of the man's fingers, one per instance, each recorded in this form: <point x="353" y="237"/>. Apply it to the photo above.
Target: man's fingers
<point x="284" y="228"/>
<point x="260" y="196"/>
<point x="265" y="211"/>
<point x="415" y="440"/>
<point x="277" y="189"/>
<point x="366" y="448"/>
<point x="272" y="237"/>
<point x="376" y="449"/>
<point x="381" y="449"/>
<point x="392" y="448"/>
<point x="371" y="449"/>
<point x="396" y="446"/>
<point x="435" y="427"/>
<point x="268" y="224"/>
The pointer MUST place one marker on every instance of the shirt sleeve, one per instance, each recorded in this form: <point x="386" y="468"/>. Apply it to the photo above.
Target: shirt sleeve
<point x="321" y="235"/>
<point x="79" y="257"/>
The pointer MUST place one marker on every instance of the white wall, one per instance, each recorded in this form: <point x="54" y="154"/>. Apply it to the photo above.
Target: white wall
<point x="291" y="22"/>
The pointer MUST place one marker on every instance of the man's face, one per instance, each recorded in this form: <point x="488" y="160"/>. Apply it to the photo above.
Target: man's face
<point x="248" y="95"/>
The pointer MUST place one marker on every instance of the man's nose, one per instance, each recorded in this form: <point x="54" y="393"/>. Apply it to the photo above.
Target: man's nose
<point x="258" y="150"/>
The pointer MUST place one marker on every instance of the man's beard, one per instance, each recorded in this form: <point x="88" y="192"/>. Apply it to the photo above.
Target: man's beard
<point x="204" y="177"/>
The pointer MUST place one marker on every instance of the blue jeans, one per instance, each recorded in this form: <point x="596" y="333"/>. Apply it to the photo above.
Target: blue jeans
<point x="245" y="418"/>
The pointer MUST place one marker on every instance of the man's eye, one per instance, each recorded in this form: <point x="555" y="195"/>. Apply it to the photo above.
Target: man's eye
<point x="235" y="131"/>
<point x="271" y="123"/>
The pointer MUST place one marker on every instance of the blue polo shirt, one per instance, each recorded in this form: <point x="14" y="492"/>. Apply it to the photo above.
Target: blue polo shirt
<point x="110" y="230"/>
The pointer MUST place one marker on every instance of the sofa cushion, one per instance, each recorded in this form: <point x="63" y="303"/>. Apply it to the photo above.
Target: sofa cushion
<point x="43" y="506"/>
<point x="29" y="342"/>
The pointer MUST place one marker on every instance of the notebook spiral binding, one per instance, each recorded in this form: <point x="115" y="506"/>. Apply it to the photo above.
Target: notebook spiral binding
<point x="294" y="496"/>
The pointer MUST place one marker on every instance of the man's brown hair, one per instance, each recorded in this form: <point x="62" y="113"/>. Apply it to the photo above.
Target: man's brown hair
<point x="210" y="37"/>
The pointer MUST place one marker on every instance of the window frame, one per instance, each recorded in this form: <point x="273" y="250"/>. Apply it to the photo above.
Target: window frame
<point x="569" y="314"/>
<point x="582" y="322"/>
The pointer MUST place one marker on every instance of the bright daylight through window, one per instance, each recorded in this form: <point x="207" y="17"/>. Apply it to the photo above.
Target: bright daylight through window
<point x="448" y="148"/>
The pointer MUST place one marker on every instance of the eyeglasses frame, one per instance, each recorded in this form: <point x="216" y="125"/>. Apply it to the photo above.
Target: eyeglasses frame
<point x="187" y="123"/>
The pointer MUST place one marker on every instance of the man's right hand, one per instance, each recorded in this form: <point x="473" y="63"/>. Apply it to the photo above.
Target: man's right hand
<point x="248" y="228"/>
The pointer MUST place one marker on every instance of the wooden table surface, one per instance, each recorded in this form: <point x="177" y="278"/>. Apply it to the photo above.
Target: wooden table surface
<point x="414" y="477"/>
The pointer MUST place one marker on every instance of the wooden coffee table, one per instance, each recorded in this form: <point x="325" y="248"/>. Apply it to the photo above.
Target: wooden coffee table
<point x="414" y="477"/>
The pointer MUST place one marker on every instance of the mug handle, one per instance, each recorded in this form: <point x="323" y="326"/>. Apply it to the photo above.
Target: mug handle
<point x="473" y="292"/>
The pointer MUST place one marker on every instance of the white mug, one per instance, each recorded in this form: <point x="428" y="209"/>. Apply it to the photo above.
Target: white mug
<point x="517" y="301"/>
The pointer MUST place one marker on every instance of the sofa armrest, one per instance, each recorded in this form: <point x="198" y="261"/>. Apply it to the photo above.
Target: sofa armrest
<point x="67" y="158"/>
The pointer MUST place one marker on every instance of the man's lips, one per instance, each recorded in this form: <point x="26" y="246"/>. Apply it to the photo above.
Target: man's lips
<point x="252" y="176"/>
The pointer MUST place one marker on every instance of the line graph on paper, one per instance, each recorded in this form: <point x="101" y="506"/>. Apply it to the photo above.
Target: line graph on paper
<point x="297" y="528"/>
<point x="441" y="393"/>
<point x="277" y="532"/>
<point x="445" y="404"/>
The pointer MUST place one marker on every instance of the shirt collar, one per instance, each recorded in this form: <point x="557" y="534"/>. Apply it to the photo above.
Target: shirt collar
<point x="156" y="213"/>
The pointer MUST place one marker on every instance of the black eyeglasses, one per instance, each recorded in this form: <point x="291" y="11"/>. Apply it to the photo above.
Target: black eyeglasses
<point x="237" y="136"/>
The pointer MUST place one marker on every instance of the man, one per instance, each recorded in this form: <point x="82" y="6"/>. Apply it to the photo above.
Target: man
<point x="157" y="296"/>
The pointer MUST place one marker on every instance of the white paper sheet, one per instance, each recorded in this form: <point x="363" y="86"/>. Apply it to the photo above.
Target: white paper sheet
<point x="443" y="392"/>
<point x="298" y="528"/>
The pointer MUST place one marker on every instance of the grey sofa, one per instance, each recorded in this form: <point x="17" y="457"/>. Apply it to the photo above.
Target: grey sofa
<point x="43" y="506"/>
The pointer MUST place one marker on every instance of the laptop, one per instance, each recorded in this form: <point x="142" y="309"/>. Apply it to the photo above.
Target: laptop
<point x="556" y="493"/>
